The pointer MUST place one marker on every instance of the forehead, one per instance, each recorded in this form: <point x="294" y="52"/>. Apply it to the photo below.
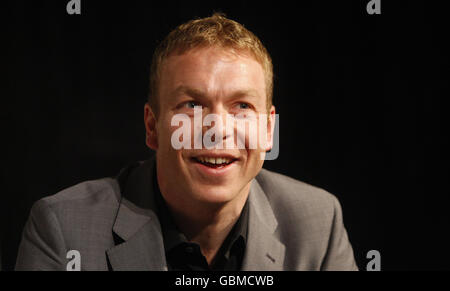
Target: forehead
<point x="212" y="70"/>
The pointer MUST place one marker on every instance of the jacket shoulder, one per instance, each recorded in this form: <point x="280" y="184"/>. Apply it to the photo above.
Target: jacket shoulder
<point x="87" y="206"/>
<point x="88" y="192"/>
<point x="305" y="215"/>
<point x="84" y="212"/>
<point x="282" y="189"/>
<point x="77" y="218"/>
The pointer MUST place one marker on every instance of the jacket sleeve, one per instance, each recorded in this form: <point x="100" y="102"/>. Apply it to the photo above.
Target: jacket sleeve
<point x="42" y="246"/>
<point x="339" y="256"/>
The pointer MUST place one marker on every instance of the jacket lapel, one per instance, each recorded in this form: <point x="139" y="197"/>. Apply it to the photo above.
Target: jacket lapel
<point x="136" y="224"/>
<point x="142" y="250"/>
<point x="138" y="227"/>
<point x="264" y="252"/>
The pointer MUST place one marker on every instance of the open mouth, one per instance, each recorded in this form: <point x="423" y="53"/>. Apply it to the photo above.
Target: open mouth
<point x="212" y="162"/>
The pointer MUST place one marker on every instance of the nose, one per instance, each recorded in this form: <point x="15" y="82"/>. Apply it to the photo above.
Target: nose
<point x="215" y="126"/>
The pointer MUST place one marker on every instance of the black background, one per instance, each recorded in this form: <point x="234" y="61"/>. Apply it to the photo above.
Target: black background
<point x="360" y="98"/>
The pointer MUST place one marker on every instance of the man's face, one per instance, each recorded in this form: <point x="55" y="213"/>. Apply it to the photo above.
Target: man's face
<point x="222" y="83"/>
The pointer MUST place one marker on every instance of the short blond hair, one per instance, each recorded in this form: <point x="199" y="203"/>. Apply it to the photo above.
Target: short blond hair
<point x="216" y="30"/>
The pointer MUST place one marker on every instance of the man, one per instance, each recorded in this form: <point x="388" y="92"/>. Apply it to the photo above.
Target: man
<point x="191" y="207"/>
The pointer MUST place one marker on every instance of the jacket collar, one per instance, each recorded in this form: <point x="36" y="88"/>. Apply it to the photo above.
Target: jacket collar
<point x="264" y="252"/>
<point x="141" y="244"/>
<point x="136" y="224"/>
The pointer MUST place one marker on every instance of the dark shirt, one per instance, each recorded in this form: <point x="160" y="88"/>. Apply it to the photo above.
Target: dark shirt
<point x="182" y="255"/>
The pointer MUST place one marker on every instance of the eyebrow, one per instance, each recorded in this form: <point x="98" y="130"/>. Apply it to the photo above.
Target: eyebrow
<point x="193" y="92"/>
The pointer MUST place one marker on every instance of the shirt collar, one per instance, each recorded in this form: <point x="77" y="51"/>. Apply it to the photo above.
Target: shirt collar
<point x="173" y="237"/>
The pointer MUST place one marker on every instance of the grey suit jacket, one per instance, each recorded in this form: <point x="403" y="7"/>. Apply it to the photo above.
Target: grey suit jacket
<point x="113" y="225"/>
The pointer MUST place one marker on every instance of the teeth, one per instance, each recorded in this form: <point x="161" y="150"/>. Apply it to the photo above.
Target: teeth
<point x="216" y="161"/>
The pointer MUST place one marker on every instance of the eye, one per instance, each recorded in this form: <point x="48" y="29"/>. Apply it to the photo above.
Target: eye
<point x="244" y="105"/>
<point x="191" y="104"/>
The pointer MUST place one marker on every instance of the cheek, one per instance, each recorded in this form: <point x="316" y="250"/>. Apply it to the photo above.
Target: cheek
<point x="254" y="134"/>
<point x="254" y="159"/>
<point x="165" y="130"/>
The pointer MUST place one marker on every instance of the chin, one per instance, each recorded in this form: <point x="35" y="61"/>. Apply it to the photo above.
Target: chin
<point x="215" y="194"/>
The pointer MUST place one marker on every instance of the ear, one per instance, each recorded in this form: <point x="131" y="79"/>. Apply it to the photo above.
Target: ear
<point x="151" y="137"/>
<point x="270" y="128"/>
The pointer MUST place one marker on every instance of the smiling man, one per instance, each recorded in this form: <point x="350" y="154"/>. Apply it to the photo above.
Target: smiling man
<point x="201" y="206"/>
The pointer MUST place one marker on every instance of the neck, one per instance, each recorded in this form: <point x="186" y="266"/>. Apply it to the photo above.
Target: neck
<point x="206" y="224"/>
